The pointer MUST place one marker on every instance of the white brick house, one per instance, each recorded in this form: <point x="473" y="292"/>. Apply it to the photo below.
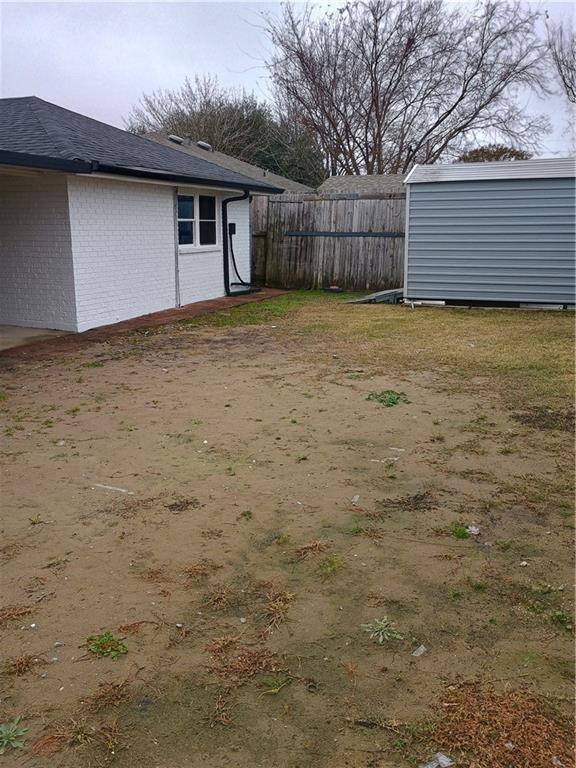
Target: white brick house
<point x="98" y="225"/>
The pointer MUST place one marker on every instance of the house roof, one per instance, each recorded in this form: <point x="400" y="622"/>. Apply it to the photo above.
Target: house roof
<point x="501" y="169"/>
<point x="232" y="164"/>
<point x="378" y="184"/>
<point x="38" y="134"/>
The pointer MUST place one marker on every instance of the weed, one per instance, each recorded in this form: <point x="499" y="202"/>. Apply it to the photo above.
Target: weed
<point x="478" y="586"/>
<point x="246" y="515"/>
<point x="455" y="593"/>
<point x="93" y="364"/>
<point x="388" y="397"/>
<point x="330" y="565"/>
<point x="310" y="550"/>
<point x="459" y="531"/>
<point x="382" y="630"/>
<point x="3" y="397"/>
<point x="106" y="645"/>
<point x="73" y="411"/>
<point x="11" y="735"/>
<point x="563" y="619"/>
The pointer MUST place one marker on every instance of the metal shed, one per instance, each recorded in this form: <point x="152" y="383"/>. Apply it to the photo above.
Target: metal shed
<point x="491" y="232"/>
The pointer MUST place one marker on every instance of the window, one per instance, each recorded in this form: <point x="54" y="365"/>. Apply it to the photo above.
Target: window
<point x="197" y="223"/>
<point x="185" y="219"/>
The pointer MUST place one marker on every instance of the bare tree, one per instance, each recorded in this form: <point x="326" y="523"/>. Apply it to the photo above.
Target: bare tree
<point x="491" y="152"/>
<point x="233" y="122"/>
<point x="383" y="84"/>
<point x="562" y="44"/>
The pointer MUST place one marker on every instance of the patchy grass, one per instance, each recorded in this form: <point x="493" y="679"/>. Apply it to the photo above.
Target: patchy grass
<point x="330" y="565"/>
<point x="388" y="397"/>
<point x="106" y="645"/>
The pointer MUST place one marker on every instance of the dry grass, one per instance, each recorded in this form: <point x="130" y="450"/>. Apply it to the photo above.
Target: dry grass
<point x="221" y="714"/>
<point x="13" y="612"/>
<point x="212" y="533"/>
<point x="311" y="550"/>
<point x="135" y="626"/>
<point x="239" y="663"/>
<point x="221" y="597"/>
<point x="108" y="695"/>
<point x="526" y="356"/>
<point x="20" y="665"/>
<point x="278" y="602"/>
<point x="492" y="730"/>
<point x="200" y="570"/>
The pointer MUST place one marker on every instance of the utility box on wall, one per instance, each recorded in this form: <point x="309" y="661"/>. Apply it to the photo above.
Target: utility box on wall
<point x="500" y="232"/>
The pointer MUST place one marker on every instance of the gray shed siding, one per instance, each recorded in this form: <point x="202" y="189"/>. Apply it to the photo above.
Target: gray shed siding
<point x="492" y="240"/>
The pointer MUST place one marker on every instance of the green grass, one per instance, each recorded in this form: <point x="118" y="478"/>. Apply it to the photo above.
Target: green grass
<point x="106" y="645"/>
<point x="265" y="312"/>
<point x="388" y="397"/>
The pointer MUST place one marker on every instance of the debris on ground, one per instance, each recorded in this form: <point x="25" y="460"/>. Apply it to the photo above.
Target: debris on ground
<point x="439" y="760"/>
<point x="473" y="530"/>
<point x="420" y="651"/>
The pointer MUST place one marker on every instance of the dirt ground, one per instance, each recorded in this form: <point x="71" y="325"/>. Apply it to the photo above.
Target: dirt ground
<point x="222" y="496"/>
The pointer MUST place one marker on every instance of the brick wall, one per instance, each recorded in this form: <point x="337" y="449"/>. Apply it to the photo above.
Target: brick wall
<point x="123" y="245"/>
<point x="36" y="276"/>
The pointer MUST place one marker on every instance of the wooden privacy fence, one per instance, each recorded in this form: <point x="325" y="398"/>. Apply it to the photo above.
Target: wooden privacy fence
<point x="314" y="240"/>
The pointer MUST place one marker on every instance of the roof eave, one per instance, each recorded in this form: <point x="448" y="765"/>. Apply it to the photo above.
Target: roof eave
<point x="145" y="173"/>
<point x="7" y="157"/>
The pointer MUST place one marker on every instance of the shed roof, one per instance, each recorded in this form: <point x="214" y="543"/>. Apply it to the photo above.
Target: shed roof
<point x="364" y="184"/>
<point x="38" y="134"/>
<point x="503" y="169"/>
<point x="232" y="163"/>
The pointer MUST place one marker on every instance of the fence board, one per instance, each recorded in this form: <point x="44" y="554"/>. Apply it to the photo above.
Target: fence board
<point x="311" y="241"/>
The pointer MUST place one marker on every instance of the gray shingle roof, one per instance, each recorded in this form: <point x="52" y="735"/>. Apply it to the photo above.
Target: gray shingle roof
<point x="382" y="184"/>
<point x="233" y="164"/>
<point x="33" y="128"/>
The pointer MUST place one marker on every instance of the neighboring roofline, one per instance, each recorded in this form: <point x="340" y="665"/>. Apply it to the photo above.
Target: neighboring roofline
<point x="545" y="168"/>
<point x="152" y="173"/>
<point x="215" y="156"/>
<point x="82" y="166"/>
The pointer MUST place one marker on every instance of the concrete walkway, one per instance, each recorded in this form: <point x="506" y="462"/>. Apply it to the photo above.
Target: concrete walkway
<point x="61" y="343"/>
<point x="15" y="336"/>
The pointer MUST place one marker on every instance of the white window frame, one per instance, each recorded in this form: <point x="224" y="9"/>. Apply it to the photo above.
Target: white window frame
<point x="195" y="247"/>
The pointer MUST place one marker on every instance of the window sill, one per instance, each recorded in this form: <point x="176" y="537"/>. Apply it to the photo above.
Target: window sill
<point x="192" y="249"/>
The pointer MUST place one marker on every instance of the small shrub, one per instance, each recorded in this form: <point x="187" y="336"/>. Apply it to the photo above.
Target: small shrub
<point x="93" y="364"/>
<point x="11" y="735"/>
<point x="388" y="397"/>
<point x="382" y="630"/>
<point x="459" y="531"/>
<point x="106" y="644"/>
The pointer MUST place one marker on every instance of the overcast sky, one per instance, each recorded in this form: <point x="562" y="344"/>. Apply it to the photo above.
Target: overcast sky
<point x="97" y="58"/>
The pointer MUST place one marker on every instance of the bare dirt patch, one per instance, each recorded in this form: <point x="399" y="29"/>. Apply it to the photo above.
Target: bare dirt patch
<point x="222" y="497"/>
